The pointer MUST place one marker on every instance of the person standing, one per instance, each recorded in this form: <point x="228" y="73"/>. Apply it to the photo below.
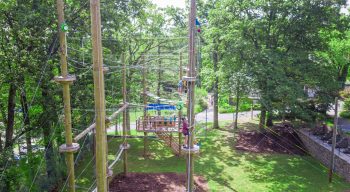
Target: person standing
<point x="185" y="131"/>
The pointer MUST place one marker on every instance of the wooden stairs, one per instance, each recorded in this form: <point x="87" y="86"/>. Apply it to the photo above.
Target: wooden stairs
<point x="170" y="141"/>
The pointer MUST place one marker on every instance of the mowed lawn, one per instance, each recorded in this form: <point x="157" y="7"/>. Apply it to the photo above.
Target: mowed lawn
<point x="225" y="168"/>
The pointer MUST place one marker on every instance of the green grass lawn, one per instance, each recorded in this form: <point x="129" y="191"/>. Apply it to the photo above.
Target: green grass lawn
<point x="225" y="168"/>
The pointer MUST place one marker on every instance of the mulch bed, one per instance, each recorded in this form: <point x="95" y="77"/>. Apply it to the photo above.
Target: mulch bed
<point x="162" y="182"/>
<point x="282" y="139"/>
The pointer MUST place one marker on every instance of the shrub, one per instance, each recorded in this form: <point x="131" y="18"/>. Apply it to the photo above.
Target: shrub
<point x="201" y="100"/>
<point x="244" y="105"/>
<point x="345" y="114"/>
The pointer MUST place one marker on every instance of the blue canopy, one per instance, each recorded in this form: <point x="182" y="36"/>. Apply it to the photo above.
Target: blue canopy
<point x="160" y="107"/>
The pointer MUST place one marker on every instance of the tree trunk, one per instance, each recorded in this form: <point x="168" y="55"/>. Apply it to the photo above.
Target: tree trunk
<point x="10" y="115"/>
<point x="269" y="121"/>
<point x="262" y="118"/>
<point x="127" y="111"/>
<point x="159" y="78"/>
<point x="49" y="116"/>
<point x="216" y="90"/>
<point x="0" y="143"/>
<point x="237" y="110"/>
<point x="342" y="74"/>
<point x="26" y="121"/>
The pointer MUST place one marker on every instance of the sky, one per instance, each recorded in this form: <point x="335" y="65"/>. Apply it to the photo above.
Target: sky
<point x="175" y="3"/>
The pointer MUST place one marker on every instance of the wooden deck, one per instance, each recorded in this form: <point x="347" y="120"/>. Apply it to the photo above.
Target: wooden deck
<point x="158" y="124"/>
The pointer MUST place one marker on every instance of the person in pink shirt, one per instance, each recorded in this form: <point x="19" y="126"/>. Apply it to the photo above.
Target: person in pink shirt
<point x="185" y="131"/>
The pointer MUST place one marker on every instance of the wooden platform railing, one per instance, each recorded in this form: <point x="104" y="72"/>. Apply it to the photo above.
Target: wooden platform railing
<point x="170" y="141"/>
<point x="157" y="124"/>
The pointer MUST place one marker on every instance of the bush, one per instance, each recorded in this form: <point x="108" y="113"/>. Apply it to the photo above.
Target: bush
<point x="201" y="100"/>
<point x="345" y="114"/>
<point x="244" y="105"/>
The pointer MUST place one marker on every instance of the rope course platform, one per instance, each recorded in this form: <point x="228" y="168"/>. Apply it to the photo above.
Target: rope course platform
<point x="66" y="149"/>
<point x="157" y="124"/>
<point x="194" y="150"/>
<point x="67" y="79"/>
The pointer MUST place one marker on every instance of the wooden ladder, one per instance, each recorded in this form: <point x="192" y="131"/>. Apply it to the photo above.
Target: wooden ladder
<point x="171" y="142"/>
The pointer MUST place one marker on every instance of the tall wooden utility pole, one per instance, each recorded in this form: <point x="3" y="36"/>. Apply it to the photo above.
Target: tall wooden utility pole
<point x="180" y="110"/>
<point x="216" y="88"/>
<point x="159" y="78"/>
<point x="69" y="148"/>
<point x="99" y="94"/>
<point x="125" y="143"/>
<point x="145" y="139"/>
<point x="331" y="168"/>
<point x="190" y="94"/>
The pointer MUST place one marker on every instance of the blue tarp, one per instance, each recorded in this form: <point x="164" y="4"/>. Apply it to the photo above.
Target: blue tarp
<point x="160" y="107"/>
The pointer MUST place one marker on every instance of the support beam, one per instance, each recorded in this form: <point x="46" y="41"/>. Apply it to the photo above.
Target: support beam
<point x="66" y="98"/>
<point x="144" y="94"/>
<point x="159" y="78"/>
<point x="180" y="111"/>
<point x="99" y="95"/>
<point x="190" y="95"/>
<point x="125" y="143"/>
<point x="252" y="111"/>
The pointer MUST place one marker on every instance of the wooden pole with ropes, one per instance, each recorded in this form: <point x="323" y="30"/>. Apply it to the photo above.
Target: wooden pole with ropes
<point x="99" y="95"/>
<point x="65" y="79"/>
<point x="191" y="87"/>
<point x="180" y="110"/>
<point x="125" y="143"/>
<point x="144" y="94"/>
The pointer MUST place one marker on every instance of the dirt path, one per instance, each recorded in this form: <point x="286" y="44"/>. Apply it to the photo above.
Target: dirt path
<point x="155" y="182"/>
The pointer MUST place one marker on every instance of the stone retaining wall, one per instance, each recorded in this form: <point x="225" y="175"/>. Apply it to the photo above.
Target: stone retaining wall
<point x="323" y="152"/>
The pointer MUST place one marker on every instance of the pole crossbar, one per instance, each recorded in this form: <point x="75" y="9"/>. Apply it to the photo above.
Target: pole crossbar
<point x="93" y="126"/>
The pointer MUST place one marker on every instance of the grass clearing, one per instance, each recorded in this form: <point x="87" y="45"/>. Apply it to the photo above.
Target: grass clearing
<point x="225" y="168"/>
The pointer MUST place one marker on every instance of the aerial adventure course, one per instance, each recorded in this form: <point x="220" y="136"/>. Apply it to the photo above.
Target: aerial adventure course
<point x="153" y="95"/>
<point x="160" y="125"/>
